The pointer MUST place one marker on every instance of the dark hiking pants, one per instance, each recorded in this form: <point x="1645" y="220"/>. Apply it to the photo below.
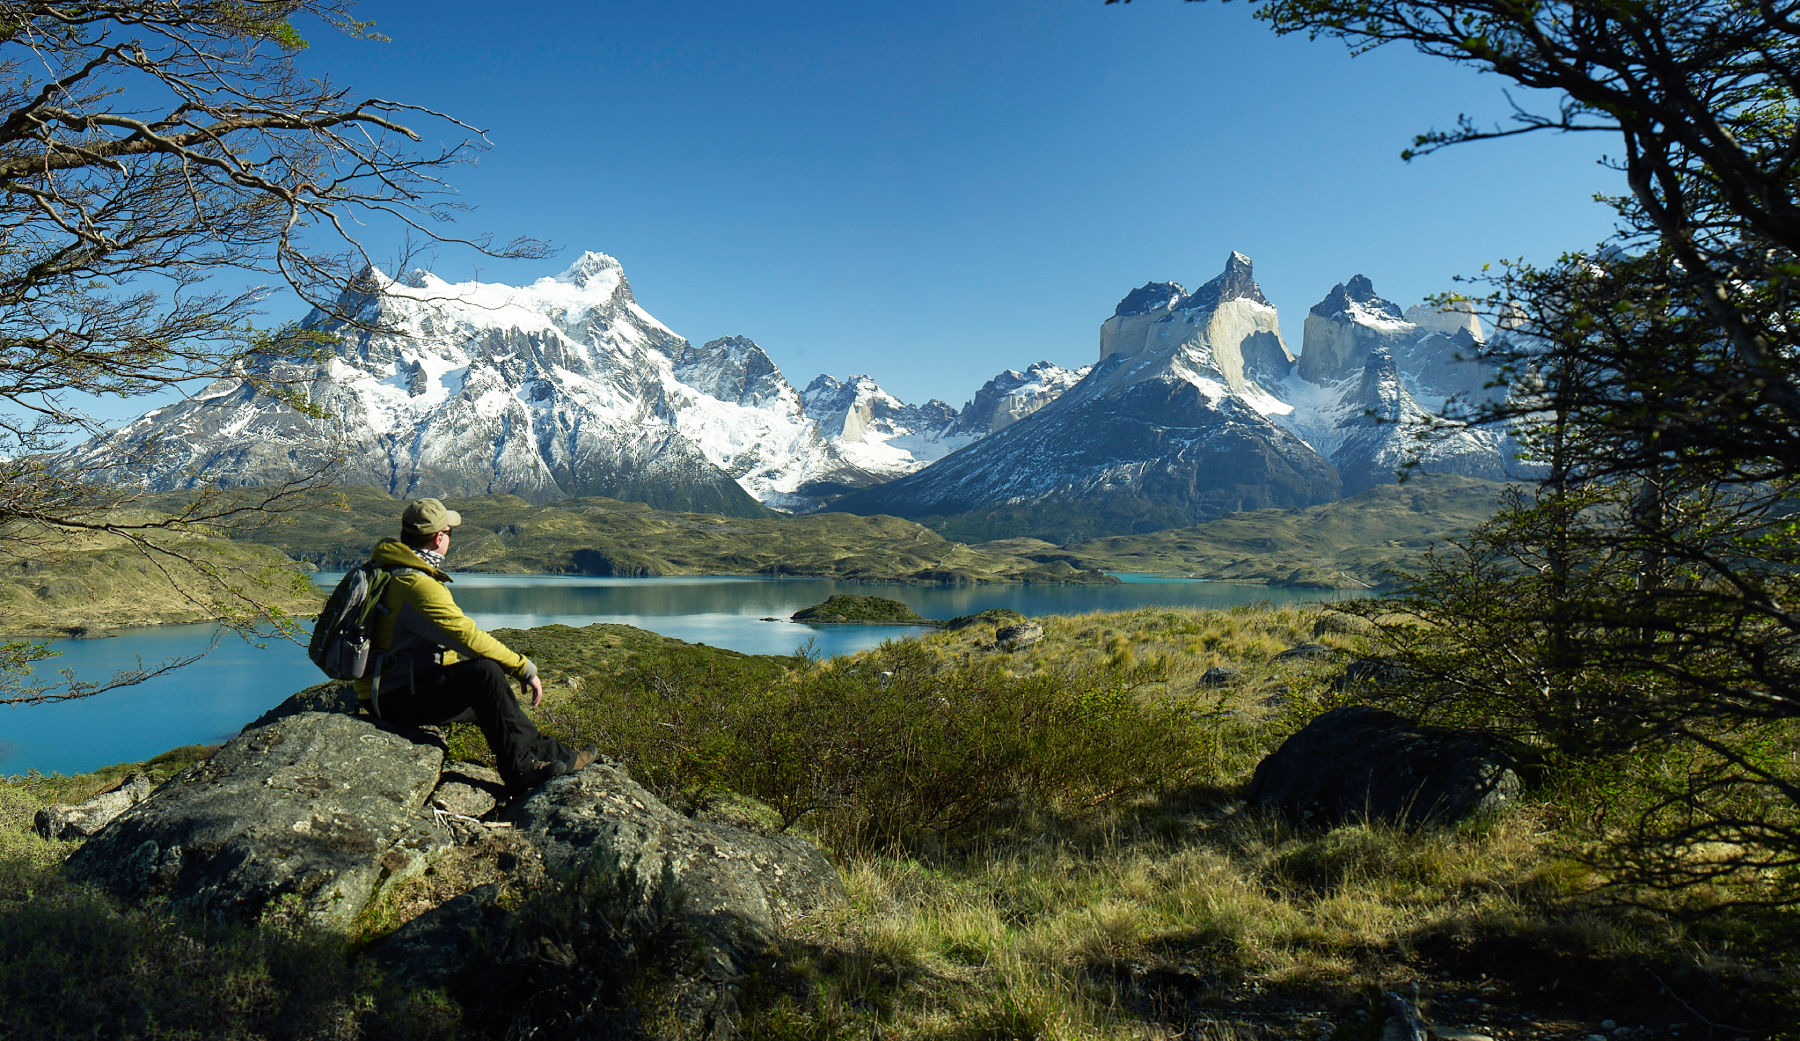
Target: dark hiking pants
<point x="441" y="693"/>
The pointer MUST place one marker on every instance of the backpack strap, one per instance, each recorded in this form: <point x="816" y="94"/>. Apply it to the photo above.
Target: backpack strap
<point x="377" y="587"/>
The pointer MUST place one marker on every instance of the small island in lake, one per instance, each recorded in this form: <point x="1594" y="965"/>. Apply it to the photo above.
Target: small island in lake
<point x="848" y="609"/>
<point x="845" y="608"/>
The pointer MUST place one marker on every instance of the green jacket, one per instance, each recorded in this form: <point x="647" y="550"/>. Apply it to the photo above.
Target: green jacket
<point x="419" y="624"/>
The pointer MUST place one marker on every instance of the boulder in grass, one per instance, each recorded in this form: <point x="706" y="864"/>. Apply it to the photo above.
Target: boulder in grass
<point x="307" y="809"/>
<point x="1307" y="652"/>
<point x="756" y="881"/>
<point x="1361" y="763"/>
<point x="1221" y="676"/>
<point x="84" y="820"/>
<point x="1013" y="637"/>
<point x="1346" y="624"/>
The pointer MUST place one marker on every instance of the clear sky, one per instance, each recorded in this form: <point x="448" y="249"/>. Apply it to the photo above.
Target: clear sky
<point x="934" y="190"/>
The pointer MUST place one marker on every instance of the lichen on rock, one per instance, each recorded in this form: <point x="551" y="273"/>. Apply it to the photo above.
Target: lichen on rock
<point x="306" y="808"/>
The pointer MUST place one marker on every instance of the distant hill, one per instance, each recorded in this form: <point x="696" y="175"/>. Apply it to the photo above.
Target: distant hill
<point x="1351" y="543"/>
<point x="89" y="584"/>
<point x="593" y="536"/>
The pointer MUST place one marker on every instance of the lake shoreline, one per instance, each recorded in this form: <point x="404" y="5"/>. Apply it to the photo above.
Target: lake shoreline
<point x="236" y="680"/>
<point x="112" y="629"/>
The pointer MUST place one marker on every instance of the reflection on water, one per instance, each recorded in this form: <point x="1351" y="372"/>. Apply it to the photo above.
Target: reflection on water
<point x="238" y="681"/>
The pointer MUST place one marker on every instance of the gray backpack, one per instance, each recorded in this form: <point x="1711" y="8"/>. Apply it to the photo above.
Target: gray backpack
<point x="344" y="634"/>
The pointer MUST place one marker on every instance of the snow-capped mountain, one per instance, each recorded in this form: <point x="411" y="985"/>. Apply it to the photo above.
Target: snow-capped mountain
<point x="569" y="387"/>
<point x="1197" y="407"/>
<point x="1013" y="395"/>
<point x="1174" y="425"/>
<point x="563" y="387"/>
<point x="877" y="437"/>
<point x="1371" y="379"/>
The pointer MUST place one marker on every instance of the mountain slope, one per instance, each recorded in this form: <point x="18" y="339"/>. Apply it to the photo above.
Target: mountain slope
<point x="1171" y="427"/>
<point x="1356" y="542"/>
<point x="1372" y="383"/>
<point x="595" y="536"/>
<point x="565" y="387"/>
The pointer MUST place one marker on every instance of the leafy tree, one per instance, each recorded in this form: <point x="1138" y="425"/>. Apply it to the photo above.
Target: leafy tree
<point x="152" y="152"/>
<point x="1638" y="607"/>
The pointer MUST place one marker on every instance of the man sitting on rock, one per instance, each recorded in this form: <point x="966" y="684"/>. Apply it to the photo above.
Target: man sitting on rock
<point x="432" y="665"/>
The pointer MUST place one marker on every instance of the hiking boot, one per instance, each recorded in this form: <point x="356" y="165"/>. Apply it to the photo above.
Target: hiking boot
<point x="527" y="783"/>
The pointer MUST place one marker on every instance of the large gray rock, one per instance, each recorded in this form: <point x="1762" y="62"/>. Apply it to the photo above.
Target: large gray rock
<point x="468" y="790"/>
<point x="307" y="807"/>
<point x="740" y="888"/>
<point x="84" y="820"/>
<point x="1357" y="763"/>
<point x="761" y="882"/>
<point x="320" y="697"/>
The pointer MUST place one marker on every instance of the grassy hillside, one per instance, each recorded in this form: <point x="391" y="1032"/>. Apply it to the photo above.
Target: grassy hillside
<point x="1050" y="845"/>
<point x="94" y="583"/>
<point x="503" y="533"/>
<point x="1352" y="543"/>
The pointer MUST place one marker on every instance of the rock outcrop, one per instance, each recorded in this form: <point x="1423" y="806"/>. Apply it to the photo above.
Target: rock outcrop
<point x="735" y="879"/>
<point x="304" y="815"/>
<point x="315" y="808"/>
<point x="1356" y="763"/>
<point x="85" y="820"/>
<point x="737" y="886"/>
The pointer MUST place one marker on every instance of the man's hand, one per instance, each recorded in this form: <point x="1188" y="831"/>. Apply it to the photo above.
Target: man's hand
<point x="528" y="681"/>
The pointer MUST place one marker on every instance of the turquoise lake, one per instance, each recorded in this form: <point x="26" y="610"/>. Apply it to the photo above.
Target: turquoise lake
<point x="235" y="682"/>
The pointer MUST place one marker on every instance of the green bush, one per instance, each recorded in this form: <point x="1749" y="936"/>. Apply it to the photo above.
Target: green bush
<point x="891" y="743"/>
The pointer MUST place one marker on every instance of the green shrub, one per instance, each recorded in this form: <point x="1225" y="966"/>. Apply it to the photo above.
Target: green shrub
<point x="890" y="743"/>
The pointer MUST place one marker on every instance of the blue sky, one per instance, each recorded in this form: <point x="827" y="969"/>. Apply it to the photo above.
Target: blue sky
<point x="932" y="191"/>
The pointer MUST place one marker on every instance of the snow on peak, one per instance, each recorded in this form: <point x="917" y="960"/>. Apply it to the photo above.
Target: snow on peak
<point x="1150" y="297"/>
<point x="1013" y="395"/>
<point x="1449" y="319"/>
<point x="1358" y="300"/>
<point x="590" y="266"/>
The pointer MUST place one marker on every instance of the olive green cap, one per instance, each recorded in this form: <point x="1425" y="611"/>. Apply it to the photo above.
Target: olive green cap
<point x="428" y="517"/>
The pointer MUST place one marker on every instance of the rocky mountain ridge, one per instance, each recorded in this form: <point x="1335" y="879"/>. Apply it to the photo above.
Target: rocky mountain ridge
<point x="565" y="387"/>
<point x="1198" y="408"/>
